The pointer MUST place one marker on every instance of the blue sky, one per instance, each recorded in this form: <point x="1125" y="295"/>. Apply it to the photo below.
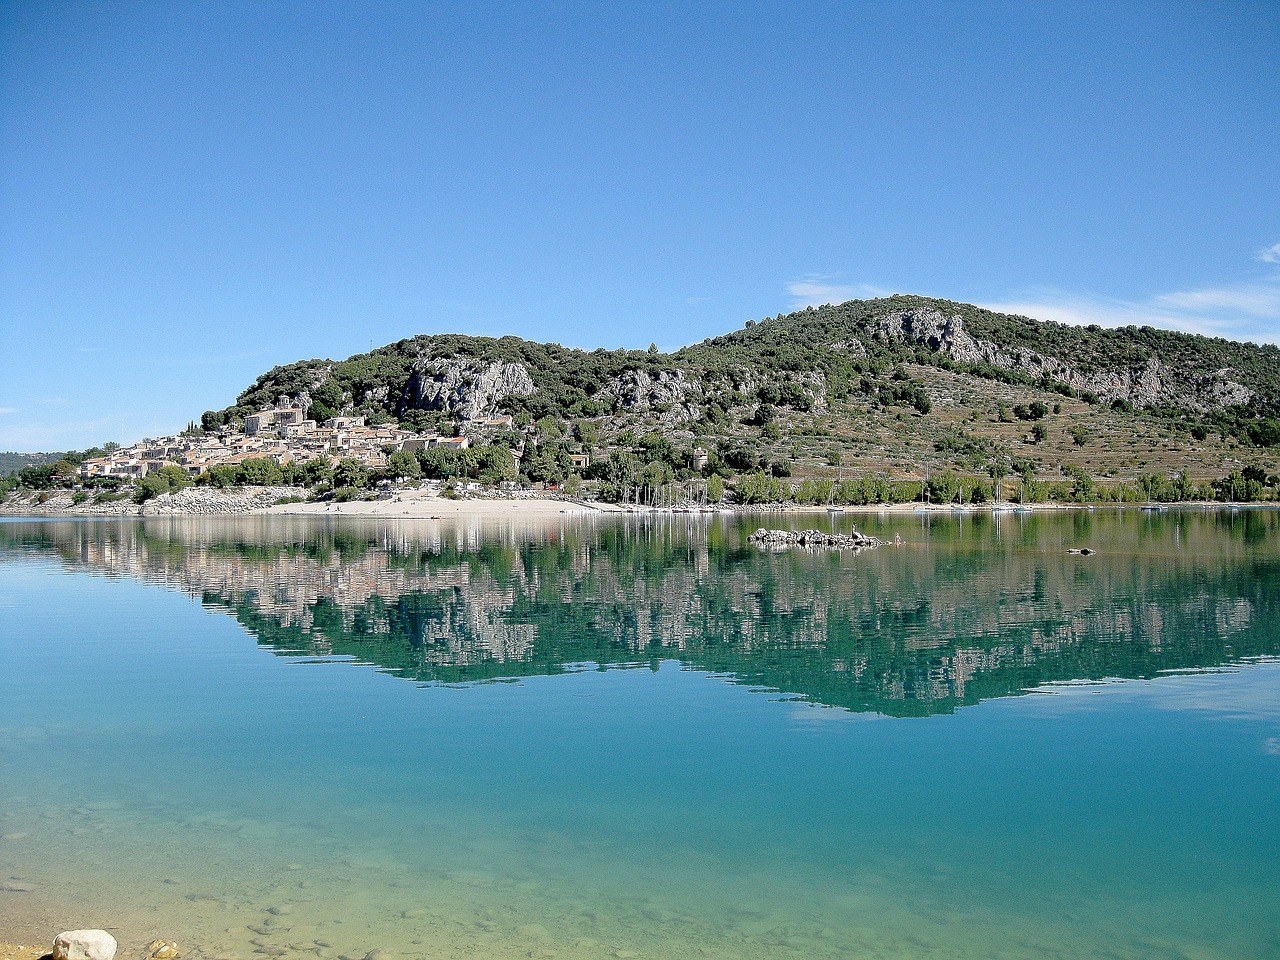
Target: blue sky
<point x="193" y="193"/>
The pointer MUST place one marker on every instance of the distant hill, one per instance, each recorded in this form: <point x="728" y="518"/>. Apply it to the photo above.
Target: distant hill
<point x="900" y="385"/>
<point x="11" y="462"/>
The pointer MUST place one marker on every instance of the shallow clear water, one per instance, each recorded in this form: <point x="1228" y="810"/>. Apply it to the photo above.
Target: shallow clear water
<point x="645" y="737"/>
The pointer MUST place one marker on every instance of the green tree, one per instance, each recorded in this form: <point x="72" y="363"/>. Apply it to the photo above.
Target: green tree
<point x="997" y="469"/>
<point x="350" y="473"/>
<point x="150" y="486"/>
<point x="496" y="465"/>
<point x="588" y="433"/>
<point x="944" y="487"/>
<point x="550" y="428"/>
<point x="175" y="476"/>
<point x="168" y="479"/>
<point x="715" y="488"/>
<point x="259" y="472"/>
<point x="1082" y="487"/>
<point x="403" y="464"/>
<point x="317" y="472"/>
<point x="219" y="476"/>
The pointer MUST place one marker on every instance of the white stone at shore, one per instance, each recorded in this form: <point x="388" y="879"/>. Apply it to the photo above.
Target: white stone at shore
<point x="84" y="945"/>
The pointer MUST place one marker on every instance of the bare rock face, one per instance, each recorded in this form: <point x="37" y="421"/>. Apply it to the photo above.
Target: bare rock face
<point x="464" y="387"/>
<point x="636" y="390"/>
<point x="84" y="945"/>
<point x="1145" y="385"/>
<point x="671" y="394"/>
<point x="931" y="328"/>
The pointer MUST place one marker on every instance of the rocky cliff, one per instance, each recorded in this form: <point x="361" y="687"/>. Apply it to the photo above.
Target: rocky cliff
<point x="1149" y="383"/>
<point x="464" y="388"/>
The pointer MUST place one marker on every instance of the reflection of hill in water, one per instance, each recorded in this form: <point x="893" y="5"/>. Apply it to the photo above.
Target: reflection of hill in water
<point x="955" y="618"/>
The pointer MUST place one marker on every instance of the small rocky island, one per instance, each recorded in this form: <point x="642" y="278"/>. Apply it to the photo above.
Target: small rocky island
<point x="815" y="538"/>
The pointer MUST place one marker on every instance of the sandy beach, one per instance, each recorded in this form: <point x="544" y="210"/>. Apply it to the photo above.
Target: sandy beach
<point x="424" y="505"/>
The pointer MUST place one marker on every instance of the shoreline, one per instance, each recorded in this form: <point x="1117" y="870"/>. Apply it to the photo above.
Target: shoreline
<point x="427" y="505"/>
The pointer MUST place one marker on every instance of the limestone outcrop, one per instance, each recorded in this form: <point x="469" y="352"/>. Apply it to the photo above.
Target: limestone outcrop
<point x="1146" y="384"/>
<point x="464" y="387"/>
<point x="671" y="391"/>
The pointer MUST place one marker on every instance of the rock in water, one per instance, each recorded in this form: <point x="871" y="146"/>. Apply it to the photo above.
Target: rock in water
<point x="84" y="945"/>
<point x="162" y="950"/>
<point x="814" y="538"/>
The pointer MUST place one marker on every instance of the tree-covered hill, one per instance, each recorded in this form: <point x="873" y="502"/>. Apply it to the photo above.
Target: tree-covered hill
<point x="11" y="462"/>
<point x="900" y="384"/>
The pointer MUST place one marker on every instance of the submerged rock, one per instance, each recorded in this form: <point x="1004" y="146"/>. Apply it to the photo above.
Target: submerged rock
<point x="84" y="945"/>
<point x="162" y="950"/>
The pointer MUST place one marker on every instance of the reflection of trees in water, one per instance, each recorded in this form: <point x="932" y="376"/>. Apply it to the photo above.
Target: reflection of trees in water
<point x="904" y="632"/>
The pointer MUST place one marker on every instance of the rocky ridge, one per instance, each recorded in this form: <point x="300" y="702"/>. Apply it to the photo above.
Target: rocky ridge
<point x="1148" y="384"/>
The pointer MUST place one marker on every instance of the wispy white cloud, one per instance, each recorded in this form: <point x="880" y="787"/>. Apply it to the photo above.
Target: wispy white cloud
<point x="1254" y="299"/>
<point x="817" y="289"/>
<point x="1082" y="310"/>
<point x="1244" y="310"/>
<point x="8" y="410"/>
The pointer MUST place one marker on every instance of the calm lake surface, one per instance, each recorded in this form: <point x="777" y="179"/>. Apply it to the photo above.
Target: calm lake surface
<point x="645" y="737"/>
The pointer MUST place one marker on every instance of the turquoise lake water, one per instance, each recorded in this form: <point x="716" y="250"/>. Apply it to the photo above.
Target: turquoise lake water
<point x="275" y="737"/>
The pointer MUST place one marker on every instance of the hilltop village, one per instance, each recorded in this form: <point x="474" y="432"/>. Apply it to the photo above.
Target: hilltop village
<point x="282" y="435"/>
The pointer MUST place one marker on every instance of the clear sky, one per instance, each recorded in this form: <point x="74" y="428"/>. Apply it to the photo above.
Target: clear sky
<point x="192" y="193"/>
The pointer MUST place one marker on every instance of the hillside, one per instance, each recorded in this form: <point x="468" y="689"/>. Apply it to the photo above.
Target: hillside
<point x="899" y="386"/>
<point x="11" y="462"/>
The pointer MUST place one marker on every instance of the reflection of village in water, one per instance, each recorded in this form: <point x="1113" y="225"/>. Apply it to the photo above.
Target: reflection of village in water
<point x="957" y="617"/>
